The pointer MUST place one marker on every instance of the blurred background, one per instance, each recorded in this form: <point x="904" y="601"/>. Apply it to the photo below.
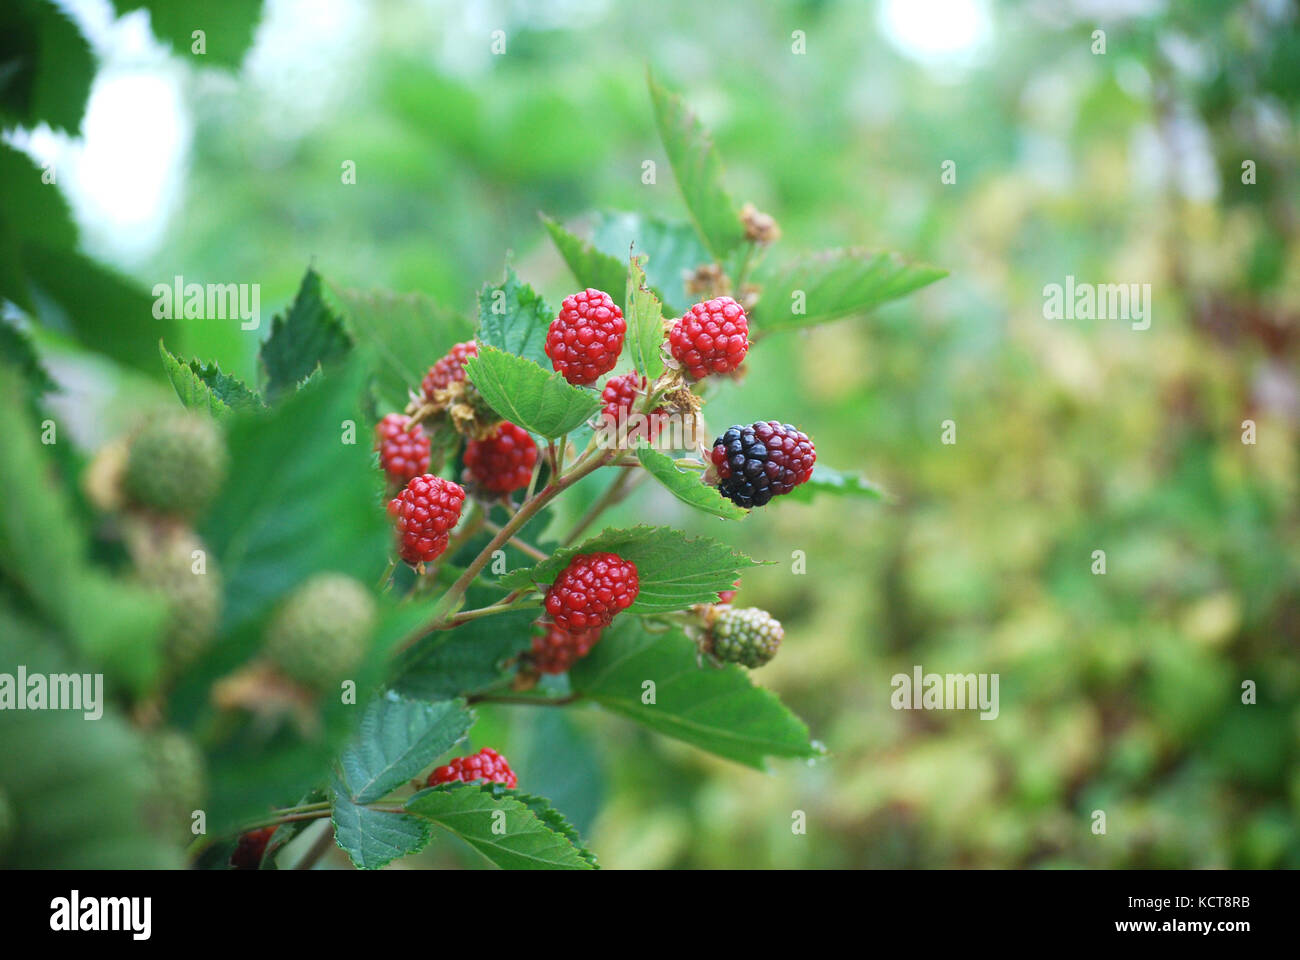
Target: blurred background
<point x="1119" y="692"/>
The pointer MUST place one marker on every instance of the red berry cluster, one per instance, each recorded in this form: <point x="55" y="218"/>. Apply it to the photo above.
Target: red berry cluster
<point x="591" y="590"/>
<point x="584" y="341"/>
<point x="403" y="452"/>
<point x="503" y="461"/>
<point x="487" y="765"/>
<point x="449" y="369"/>
<point x="425" y="513"/>
<point x="558" y="649"/>
<point x="713" y="337"/>
<point x="619" y="396"/>
<point x="763" y="460"/>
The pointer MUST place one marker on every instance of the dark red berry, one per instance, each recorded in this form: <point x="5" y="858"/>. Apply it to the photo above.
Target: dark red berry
<point x="619" y="397"/>
<point x="761" y="461"/>
<point x="591" y="590"/>
<point x="713" y="337"/>
<point x="726" y="596"/>
<point x="487" y="765"/>
<point x="425" y="512"/>
<point x="252" y="845"/>
<point x="403" y="452"/>
<point x="449" y="369"/>
<point x="558" y="649"/>
<point x="584" y="341"/>
<point x="502" y="462"/>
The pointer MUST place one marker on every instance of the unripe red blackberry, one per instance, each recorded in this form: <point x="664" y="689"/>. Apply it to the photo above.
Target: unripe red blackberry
<point x="748" y="636"/>
<point x="556" y="650"/>
<point x="448" y="370"/>
<point x="250" y="849"/>
<point x="619" y="397"/>
<point x="487" y="765"/>
<point x="175" y="464"/>
<point x="403" y="449"/>
<point x="712" y="337"/>
<point x="591" y="590"/>
<point x="761" y="461"/>
<point x="584" y="341"/>
<point x="503" y="461"/>
<point x="321" y="631"/>
<point x="424" y="513"/>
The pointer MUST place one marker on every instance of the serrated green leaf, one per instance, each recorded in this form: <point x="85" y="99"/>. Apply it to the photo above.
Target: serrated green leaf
<point x="46" y="67"/>
<point x="289" y="469"/>
<point x="674" y="571"/>
<point x="308" y="336"/>
<point x="375" y="838"/>
<point x="545" y="811"/>
<point x="523" y="393"/>
<point x="715" y="709"/>
<point x="399" y="738"/>
<point x="462" y="661"/>
<point x="473" y="814"/>
<point x="672" y="249"/>
<point x="833" y="482"/>
<point x="645" y="322"/>
<point x="515" y="319"/>
<point x="835" y="284"/>
<point x="402" y="335"/>
<point x="685" y="485"/>
<point x="202" y="386"/>
<point x="698" y="170"/>
<point x="17" y="349"/>
<point x="227" y="25"/>
<point x="590" y="267"/>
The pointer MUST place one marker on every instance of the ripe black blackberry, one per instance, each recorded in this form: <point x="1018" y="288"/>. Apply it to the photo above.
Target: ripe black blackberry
<point x="761" y="461"/>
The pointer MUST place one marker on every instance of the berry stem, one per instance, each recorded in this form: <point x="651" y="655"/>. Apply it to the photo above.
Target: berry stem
<point x="521" y="545"/>
<point x="388" y="574"/>
<point x="507" y="604"/>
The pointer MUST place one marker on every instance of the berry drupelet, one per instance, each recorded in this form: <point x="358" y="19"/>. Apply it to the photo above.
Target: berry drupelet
<point x="403" y="450"/>
<point x="763" y="460"/>
<point x="712" y="337"/>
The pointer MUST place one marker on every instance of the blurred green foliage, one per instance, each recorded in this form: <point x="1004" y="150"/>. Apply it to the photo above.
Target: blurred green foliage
<point x="1120" y="692"/>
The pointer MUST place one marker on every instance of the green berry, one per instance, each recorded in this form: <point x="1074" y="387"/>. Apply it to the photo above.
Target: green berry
<point x="747" y="636"/>
<point x="176" y="782"/>
<point x="322" y="630"/>
<point x="168" y="566"/>
<point x="176" y="464"/>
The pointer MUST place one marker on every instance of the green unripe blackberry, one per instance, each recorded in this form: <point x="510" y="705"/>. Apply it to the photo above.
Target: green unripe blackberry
<point x="175" y="464"/>
<point x="322" y="630"/>
<point x="748" y="636"/>
<point x="176" y="783"/>
<point x="192" y="588"/>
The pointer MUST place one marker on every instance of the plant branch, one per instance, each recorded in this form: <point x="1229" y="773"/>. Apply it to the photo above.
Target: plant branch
<point x="518" y="544"/>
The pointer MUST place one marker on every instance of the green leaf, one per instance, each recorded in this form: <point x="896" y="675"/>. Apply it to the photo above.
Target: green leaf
<point x="545" y="811"/>
<point x="523" y="393"/>
<point x="515" y="319"/>
<point x="686" y="486"/>
<point x="590" y="267"/>
<point x="46" y="67"/>
<point x="645" y="323"/>
<point x="698" y="170"/>
<point x="403" y="335"/>
<point x="375" y="838"/>
<point x="300" y="499"/>
<point x="672" y="248"/>
<point x="715" y="709"/>
<point x="826" y="480"/>
<point x="465" y="660"/>
<point x="310" y="335"/>
<point x="202" y="386"/>
<point x="527" y="843"/>
<point x="836" y="284"/>
<point x="398" y="739"/>
<point x="17" y="349"/>
<point x="227" y="25"/>
<point x="674" y="571"/>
